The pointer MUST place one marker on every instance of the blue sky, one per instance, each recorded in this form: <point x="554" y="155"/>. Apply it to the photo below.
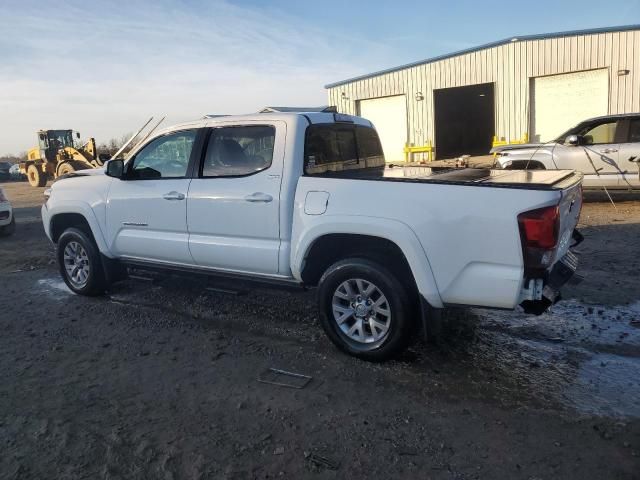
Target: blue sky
<point x="103" y="67"/>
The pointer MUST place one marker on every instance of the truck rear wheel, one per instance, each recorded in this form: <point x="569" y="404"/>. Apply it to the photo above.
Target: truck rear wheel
<point x="364" y="309"/>
<point x="79" y="263"/>
<point x="35" y="176"/>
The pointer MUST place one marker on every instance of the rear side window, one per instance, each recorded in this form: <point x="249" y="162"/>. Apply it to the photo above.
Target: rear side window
<point x="338" y="147"/>
<point x="239" y="151"/>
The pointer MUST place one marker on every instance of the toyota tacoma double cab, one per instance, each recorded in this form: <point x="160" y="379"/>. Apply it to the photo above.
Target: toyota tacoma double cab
<point x="305" y="199"/>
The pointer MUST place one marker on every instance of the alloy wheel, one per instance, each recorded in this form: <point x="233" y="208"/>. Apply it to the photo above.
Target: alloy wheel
<point x="361" y="311"/>
<point x="76" y="264"/>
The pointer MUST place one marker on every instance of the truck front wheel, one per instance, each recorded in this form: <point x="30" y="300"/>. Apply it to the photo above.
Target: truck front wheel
<point x="79" y="263"/>
<point x="365" y="309"/>
<point x="36" y="177"/>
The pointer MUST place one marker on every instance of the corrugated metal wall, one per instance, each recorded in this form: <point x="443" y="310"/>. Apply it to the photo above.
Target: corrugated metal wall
<point x="510" y="67"/>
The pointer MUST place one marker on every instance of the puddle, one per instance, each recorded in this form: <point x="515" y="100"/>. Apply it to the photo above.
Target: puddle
<point x="607" y="385"/>
<point x="54" y="286"/>
<point x="586" y="357"/>
<point x="575" y="323"/>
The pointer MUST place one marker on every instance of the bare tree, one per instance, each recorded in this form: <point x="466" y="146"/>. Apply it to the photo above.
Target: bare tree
<point x="112" y="145"/>
<point x="11" y="158"/>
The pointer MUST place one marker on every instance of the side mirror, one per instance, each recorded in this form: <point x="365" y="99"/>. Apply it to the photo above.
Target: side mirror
<point x="78" y="135"/>
<point x="573" y="140"/>
<point x="115" y="168"/>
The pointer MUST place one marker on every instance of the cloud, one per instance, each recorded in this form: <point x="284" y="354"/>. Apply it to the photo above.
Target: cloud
<point x="104" y="70"/>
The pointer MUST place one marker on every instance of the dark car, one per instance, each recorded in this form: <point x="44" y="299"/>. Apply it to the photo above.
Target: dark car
<point x="4" y="171"/>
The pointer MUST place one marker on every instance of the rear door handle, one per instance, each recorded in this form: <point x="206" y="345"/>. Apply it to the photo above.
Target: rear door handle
<point x="609" y="150"/>
<point x="259" y="197"/>
<point x="173" y="196"/>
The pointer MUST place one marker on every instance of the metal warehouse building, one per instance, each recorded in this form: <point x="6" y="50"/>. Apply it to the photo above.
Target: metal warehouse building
<point x="532" y="87"/>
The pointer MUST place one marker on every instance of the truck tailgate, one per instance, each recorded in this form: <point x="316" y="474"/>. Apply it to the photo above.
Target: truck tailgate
<point x="570" y="206"/>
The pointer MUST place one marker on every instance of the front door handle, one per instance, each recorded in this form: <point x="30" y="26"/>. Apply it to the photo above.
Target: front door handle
<point x="609" y="150"/>
<point x="173" y="196"/>
<point x="259" y="197"/>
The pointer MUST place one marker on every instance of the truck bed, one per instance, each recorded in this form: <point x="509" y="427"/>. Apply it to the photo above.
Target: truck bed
<point x="525" y="179"/>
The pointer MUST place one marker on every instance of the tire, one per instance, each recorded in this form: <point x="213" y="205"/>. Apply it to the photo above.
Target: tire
<point x="356" y="276"/>
<point x="8" y="229"/>
<point x="80" y="251"/>
<point x="36" y="177"/>
<point x="66" y="168"/>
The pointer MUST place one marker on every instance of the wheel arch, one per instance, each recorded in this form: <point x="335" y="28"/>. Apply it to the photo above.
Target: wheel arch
<point x="392" y="243"/>
<point x="79" y="216"/>
<point x="63" y="221"/>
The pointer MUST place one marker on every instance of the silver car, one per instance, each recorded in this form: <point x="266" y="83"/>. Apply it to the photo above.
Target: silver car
<point x="606" y="149"/>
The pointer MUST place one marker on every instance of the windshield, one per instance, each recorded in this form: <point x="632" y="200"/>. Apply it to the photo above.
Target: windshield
<point x="60" y="138"/>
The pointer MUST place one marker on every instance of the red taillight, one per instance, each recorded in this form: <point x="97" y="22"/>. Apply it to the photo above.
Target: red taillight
<point x="539" y="228"/>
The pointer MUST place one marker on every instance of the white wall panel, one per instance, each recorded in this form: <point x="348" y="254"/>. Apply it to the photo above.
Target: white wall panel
<point x="389" y="116"/>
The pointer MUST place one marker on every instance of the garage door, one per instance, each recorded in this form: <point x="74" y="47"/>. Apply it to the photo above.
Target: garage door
<point x="561" y="101"/>
<point x="389" y="116"/>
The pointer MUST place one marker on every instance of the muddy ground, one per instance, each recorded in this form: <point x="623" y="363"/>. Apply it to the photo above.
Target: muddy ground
<point x="158" y="379"/>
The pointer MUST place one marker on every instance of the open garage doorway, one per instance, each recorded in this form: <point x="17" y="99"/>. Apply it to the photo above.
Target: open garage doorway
<point x="464" y="120"/>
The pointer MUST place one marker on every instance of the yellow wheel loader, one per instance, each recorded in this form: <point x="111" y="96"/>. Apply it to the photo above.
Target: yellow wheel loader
<point x="57" y="155"/>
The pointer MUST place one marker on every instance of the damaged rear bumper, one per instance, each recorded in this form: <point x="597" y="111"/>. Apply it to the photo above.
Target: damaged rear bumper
<point x="543" y="293"/>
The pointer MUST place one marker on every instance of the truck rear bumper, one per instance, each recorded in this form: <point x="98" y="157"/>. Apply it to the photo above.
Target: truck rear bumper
<point x="562" y="272"/>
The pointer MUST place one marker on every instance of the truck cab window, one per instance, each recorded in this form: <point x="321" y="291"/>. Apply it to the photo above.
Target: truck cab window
<point x="369" y="147"/>
<point x="164" y="157"/>
<point x="338" y="147"/>
<point x="239" y="151"/>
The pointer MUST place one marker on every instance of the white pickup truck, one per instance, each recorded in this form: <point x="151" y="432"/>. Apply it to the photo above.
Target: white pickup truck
<point x="306" y="199"/>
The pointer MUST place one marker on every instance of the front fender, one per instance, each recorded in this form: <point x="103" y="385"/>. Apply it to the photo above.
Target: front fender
<point x="393" y="230"/>
<point x="81" y="208"/>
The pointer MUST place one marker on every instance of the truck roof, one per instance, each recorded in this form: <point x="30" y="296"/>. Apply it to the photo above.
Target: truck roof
<point x="311" y="117"/>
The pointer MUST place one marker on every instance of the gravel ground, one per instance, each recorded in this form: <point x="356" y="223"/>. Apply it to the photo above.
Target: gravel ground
<point x="158" y="379"/>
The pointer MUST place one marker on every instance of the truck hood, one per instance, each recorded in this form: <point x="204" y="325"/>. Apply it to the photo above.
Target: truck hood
<point x="523" y="146"/>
